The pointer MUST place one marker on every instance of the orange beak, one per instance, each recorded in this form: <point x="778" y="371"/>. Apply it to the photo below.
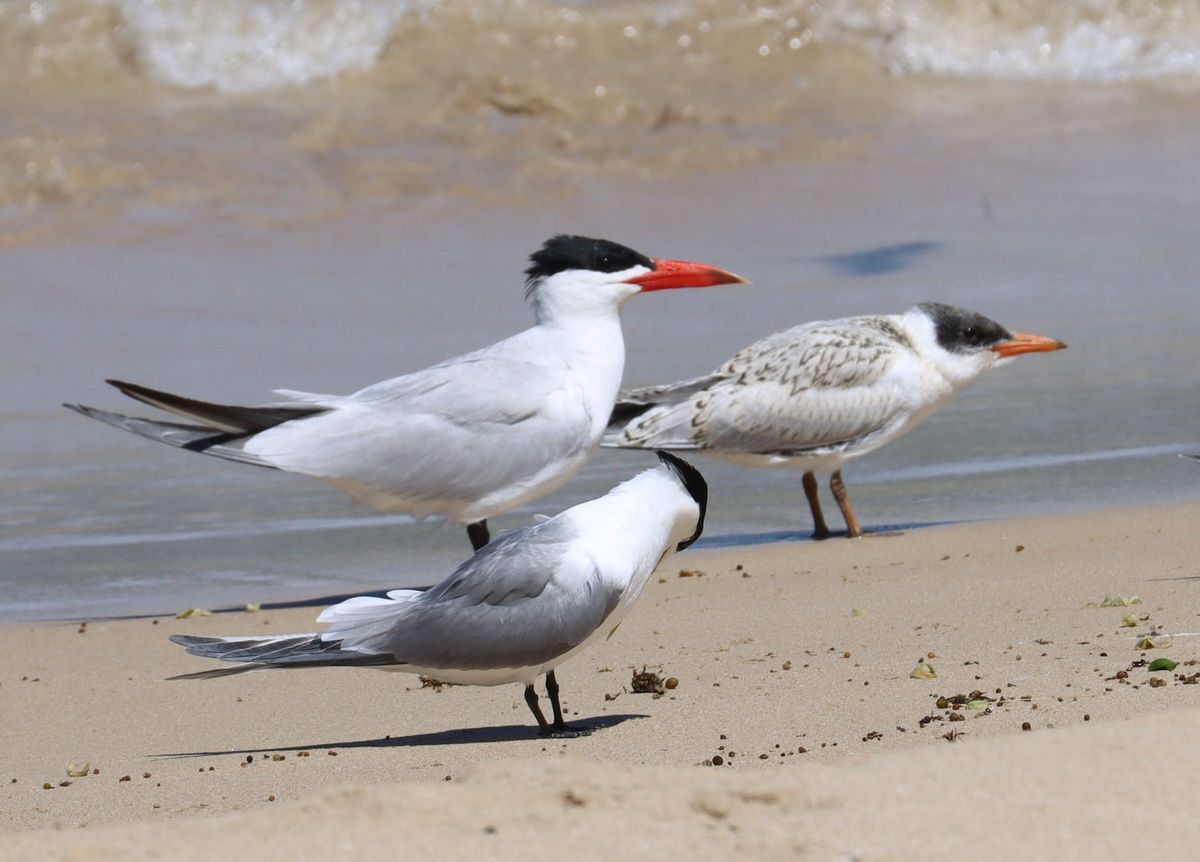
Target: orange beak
<point x="1026" y="342"/>
<point x="668" y="274"/>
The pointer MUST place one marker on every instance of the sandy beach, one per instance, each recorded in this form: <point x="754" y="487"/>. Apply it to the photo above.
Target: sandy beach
<point x="223" y="198"/>
<point x="794" y="666"/>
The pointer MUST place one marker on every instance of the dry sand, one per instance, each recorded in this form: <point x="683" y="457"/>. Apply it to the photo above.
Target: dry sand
<point x="809" y="703"/>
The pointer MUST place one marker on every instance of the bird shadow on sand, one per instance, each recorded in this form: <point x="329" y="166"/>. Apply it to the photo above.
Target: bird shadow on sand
<point x="742" y="540"/>
<point x="459" y="736"/>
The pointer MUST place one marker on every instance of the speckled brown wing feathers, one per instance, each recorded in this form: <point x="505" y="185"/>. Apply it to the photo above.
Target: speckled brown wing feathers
<point x="816" y="385"/>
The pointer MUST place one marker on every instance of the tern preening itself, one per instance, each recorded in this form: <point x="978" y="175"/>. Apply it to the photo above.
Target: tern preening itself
<point x="471" y="437"/>
<point x="815" y="396"/>
<point x="517" y="609"/>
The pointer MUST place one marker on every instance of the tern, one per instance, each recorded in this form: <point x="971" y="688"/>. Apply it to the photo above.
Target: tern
<point x="817" y="395"/>
<point x="468" y="438"/>
<point x="517" y="609"/>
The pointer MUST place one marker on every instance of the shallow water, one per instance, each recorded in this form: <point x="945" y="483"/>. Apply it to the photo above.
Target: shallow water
<point x="210" y="248"/>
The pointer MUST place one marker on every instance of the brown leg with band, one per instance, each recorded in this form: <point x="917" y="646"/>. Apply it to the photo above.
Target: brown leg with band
<point x="820" y="530"/>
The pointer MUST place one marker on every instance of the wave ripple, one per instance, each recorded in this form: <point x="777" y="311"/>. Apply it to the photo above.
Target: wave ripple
<point x="255" y="45"/>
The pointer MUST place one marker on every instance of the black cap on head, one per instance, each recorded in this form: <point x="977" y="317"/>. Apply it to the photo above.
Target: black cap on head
<point x="695" y="485"/>
<point x="962" y="331"/>
<point x="563" y="252"/>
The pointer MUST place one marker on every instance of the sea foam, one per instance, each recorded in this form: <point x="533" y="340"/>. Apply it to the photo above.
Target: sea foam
<point x="1097" y="40"/>
<point x="256" y="45"/>
<point x="240" y="46"/>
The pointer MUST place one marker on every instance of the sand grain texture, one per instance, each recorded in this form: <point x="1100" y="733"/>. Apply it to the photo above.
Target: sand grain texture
<point x="1079" y="793"/>
<point x="1109" y="764"/>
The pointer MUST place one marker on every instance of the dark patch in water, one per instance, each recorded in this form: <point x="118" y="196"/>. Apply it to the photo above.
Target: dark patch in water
<point x="881" y="260"/>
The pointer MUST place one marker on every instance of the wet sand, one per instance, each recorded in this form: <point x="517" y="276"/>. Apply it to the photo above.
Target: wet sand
<point x="793" y="663"/>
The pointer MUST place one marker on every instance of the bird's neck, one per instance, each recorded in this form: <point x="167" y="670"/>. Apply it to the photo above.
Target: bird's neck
<point x="596" y="332"/>
<point x="592" y="347"/>
<point x="566" y="307"/>
<point x="636" y="525"/>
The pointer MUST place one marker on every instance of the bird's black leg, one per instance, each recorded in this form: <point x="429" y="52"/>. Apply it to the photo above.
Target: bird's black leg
<point x="559" y="728"/>
<point x="531" y="698"/>
<point x="552" y="691"/>
<point x="820" y="530"/>
<point x="478" y="534"/>
<point x="838" y="487"/>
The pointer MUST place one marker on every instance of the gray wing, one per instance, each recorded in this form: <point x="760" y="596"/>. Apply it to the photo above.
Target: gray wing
<point x="281" y="652"/>
<point x="667" y="393"/>
<point x="434" y="435"/>
<point x="523" y="600"/>
<point x="812" y="387"/>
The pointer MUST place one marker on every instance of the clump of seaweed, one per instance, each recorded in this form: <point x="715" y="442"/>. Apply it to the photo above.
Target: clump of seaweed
<point x="647" y="682"/>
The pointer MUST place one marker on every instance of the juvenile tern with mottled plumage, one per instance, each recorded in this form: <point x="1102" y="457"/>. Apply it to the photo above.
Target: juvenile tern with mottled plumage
<point x="817" y="395"/>
<point x="517" y="609"/>
<point x="468" y="438"/>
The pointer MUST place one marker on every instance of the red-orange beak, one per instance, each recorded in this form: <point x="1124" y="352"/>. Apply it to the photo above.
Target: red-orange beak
<point x="1026" y="342"/>
<point x="668" y="274"/>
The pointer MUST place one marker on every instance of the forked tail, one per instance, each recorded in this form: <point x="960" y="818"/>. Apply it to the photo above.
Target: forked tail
<point x="223" y="427"/>
<point x="272" y="653"/>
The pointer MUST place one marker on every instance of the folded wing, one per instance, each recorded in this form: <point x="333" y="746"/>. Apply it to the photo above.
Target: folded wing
<point x="809" y="388"/>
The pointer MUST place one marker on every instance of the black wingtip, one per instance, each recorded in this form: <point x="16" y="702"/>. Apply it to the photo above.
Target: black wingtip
<point x="84" y="410"/>
<point x="624" y="412"/>
<point x="135" y="390"/>
<point x="215" y="673"/>
<point x="694" y="483"/>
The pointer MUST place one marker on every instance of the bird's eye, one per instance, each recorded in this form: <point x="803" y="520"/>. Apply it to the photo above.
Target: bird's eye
<point x="970" y="332"/>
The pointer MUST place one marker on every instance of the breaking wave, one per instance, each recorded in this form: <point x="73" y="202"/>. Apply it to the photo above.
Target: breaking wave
<point x="256" y="45"/>
<point x="246" y="46"/>
<point x="228" y="45"/>
<point x="1100" y="40"/>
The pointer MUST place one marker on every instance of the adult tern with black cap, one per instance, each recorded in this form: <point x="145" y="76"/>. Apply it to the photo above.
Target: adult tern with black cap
<point x="468" y="438"/>
<point x="815" y="396"/>
<point x="517" y="609"/>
